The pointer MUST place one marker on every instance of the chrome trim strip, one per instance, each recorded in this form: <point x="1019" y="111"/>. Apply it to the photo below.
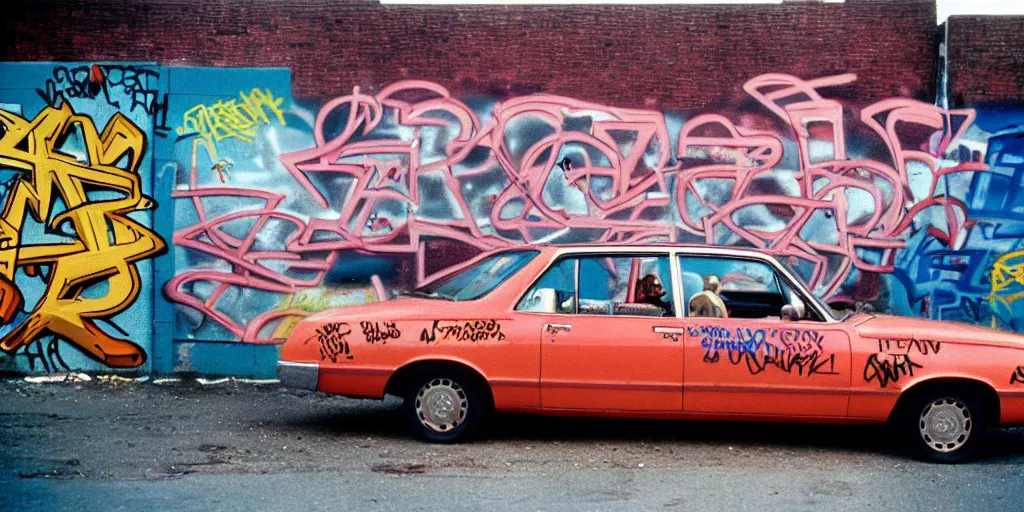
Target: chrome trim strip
<point x="377" y="372"/>
<point x="786" y="390"/>
<point x="876" y="392"/>
<point x="298" y="375"/>
<point x="514" y="383"/>
<point x="612" y="386"/>
<point x="293" y="363"/>
<point x="576" y="286"/>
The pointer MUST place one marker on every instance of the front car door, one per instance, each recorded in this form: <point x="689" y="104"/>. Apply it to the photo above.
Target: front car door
<point x="748" y="359"/>
<point x="610" y="341"/>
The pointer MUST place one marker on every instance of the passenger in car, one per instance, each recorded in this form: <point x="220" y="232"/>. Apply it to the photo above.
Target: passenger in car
<point x="650" y="291"/>
<point x="708" y="303"/>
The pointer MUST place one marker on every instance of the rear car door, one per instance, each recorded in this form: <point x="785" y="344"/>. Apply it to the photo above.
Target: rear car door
<point x="752" y="361"/>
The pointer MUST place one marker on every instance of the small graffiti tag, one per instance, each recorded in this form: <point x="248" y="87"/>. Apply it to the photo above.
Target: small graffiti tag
<point x="138" y="84"/>
<point x="46" y="353"/>
<point x="235" y="118"/>
<point x="923" y="347"/>
<point x="1018" y="376"/>
<point x="794" y="351"/>
<point x="380" y="332"/>
<point x="331" y="339"/>
<point x="893" y="359"/>
<point x="478" y="330"/>
<point x="886" y="368"/>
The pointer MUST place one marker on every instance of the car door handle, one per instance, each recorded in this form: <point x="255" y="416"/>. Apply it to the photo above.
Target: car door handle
<point x="553" y="328"/>
<point x="670" y="332"/>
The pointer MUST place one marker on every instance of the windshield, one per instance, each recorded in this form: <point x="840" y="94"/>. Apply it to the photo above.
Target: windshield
<point x="795" y="272"/>
<point x="477" y="280"/>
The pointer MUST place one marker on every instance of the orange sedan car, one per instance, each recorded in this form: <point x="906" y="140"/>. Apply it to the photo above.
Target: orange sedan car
<point x="658" y="331"/>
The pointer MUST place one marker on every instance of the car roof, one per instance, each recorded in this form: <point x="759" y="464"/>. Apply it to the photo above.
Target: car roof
<point x="665" y="246"/>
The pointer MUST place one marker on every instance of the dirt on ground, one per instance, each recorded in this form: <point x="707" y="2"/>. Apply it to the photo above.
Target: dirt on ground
<point x="129" y="430"/>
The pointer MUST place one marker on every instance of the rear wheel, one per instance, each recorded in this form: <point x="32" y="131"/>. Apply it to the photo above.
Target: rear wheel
<point x="943" y="425"/>
<point x="444" y="407"/>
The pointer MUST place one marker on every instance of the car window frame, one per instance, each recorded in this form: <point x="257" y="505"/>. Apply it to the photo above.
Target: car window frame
<point x="810" y="302"/>
<point x="780" y="277"/>
<point x="576" y="256"/>
<point x="557" y="260"/>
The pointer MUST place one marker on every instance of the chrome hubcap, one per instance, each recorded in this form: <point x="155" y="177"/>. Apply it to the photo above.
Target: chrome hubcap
<point x="441" y="405"/>
<point x="945" y="424"/>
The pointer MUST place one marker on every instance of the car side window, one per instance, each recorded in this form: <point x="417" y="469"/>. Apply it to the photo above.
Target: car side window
<point x="554" y="292"/>
<point x="625" y="285"/>
<point x="730" y="288"/>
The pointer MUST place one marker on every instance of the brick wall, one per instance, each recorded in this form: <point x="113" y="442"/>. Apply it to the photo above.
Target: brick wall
<point x="986" y="59"/>
<point x="662" y="57"/>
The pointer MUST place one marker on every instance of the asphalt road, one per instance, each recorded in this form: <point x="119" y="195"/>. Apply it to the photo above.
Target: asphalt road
<point x="233" y="446"/>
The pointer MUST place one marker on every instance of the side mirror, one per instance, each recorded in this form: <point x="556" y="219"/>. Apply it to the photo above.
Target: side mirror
<point x="795" y="310"/>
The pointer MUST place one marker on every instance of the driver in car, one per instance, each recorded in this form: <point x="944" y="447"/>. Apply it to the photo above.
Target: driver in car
<point x="650" y="291"/>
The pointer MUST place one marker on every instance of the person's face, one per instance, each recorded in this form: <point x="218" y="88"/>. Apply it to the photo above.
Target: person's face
<point x="656" y="289"/>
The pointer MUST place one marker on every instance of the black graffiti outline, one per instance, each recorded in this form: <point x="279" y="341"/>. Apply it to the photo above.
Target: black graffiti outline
<point x="331" y="341"/>
<point x="463" y="330"/>
<point x="801" y="351"/>
<point x="885" y="371"/>
<point x="1017" y="377"/>
<point x="901" y="346"/>
<point x="134" y="82"/>
<point x="786" y="360"/>
<point x="49" y="356"/>
<point x="374" y="333"/>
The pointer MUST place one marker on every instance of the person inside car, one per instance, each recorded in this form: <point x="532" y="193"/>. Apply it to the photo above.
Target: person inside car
<point x="708" y="303"/>
<point x="650" y="291"/>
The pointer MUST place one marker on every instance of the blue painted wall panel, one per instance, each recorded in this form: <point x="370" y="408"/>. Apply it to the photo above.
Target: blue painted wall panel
<point x="97" y="93"/>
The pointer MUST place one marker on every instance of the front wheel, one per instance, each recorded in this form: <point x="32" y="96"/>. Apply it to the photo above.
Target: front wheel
<point x="444" y="407"/>
<point x="943" y="426"/>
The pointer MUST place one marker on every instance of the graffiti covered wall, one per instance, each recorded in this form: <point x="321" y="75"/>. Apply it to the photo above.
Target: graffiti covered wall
<point x="865" y="201"/>
<point x="980" y="277"/>
<point x="237" y="272"/>
<point x="75" y="229"/>
<point x="272" y="208"/>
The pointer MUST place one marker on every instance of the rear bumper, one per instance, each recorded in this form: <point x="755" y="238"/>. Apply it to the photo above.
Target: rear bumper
<point x="298" y="375"/>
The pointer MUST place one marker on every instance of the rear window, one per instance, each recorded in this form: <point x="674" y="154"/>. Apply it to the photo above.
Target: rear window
<point x="478" y="280"/>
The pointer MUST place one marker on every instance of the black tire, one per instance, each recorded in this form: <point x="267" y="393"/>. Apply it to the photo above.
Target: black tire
<point x="431" y="395"/>
<point x="945" y="425"/>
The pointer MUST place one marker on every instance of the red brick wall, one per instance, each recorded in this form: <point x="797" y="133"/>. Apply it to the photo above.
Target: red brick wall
<point x="660" y="57"/>
<point x="986" y="59"/>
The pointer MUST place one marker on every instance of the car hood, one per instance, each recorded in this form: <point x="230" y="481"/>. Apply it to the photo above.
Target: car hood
<point x="907" y="328"/>
<point x="409" y="308"/>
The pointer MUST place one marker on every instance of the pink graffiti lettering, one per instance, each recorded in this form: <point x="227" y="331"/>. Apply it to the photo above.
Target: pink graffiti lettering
<point x="623" y="180"/>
